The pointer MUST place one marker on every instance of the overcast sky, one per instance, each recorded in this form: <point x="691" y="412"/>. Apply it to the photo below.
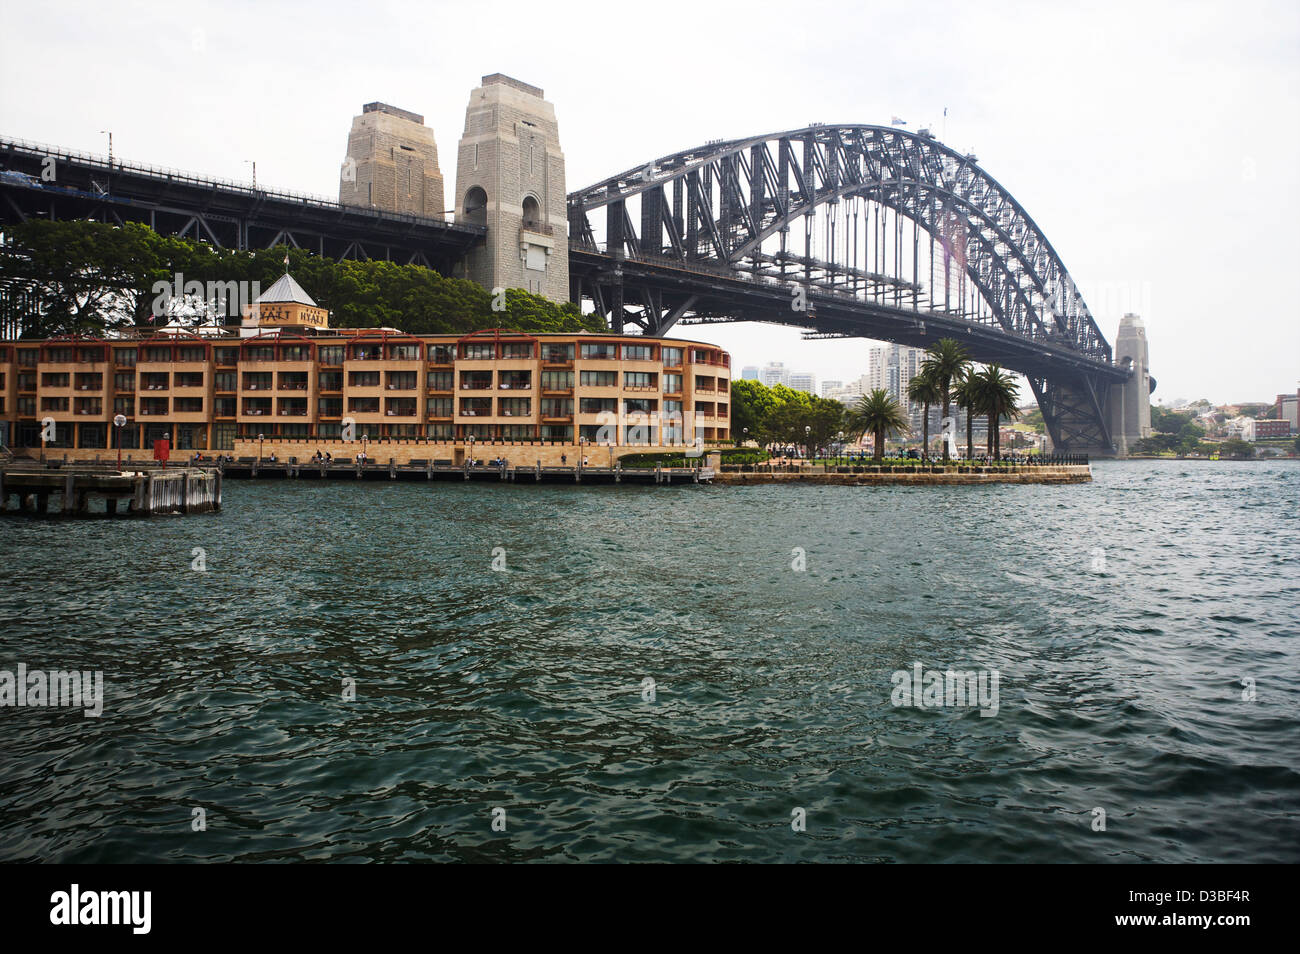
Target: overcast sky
<point x="1154" y="143"/>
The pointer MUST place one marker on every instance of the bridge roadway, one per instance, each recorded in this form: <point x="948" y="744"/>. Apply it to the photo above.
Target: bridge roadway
<point x="223" y="213"/>
<point x="735" y="296"/>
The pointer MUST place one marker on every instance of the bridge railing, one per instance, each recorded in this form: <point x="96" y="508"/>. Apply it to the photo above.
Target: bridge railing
<point x="181" y="175"/>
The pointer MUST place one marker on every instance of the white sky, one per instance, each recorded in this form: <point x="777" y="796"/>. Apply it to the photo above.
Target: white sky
<point x="1155" y="143"/>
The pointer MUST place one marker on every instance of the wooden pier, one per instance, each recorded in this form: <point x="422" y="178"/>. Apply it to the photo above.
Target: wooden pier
<point x="447" y="470"/>
<point x="141" y="492"/>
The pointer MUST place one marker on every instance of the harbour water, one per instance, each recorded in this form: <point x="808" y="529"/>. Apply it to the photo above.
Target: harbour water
<point x="1145" y="630"/>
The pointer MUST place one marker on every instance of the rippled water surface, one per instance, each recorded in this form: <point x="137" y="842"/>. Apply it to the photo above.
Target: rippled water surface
<point x="1121" y="673"/>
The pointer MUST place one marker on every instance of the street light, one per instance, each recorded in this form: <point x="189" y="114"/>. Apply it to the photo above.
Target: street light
<point x="254" y="164"/>
<point x="365" y="442"/>
<point x="119" y="422"/>
<point x="807" y="430"/>
<point x="259" y="448"/>
<point x="840" y="438"/>
<point x="110" y="145"/>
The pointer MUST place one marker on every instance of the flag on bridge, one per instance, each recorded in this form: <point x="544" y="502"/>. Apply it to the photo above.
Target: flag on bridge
<point x="895" y="121"/>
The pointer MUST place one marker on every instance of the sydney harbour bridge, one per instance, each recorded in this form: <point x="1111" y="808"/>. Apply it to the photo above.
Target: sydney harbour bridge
<point x="845" y="231"/>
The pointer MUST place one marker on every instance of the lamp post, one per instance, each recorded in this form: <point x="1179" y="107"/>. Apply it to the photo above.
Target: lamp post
<point x="365" y="442"/>
<point x="471" y="450"/>
<point x="110" y="145"/>
<point x="253" y="162"/>
<point x="119" y="422"/>
<point x="840" y="438"/>
<point x="807" y="431"/>
<point x="259" y="448"/>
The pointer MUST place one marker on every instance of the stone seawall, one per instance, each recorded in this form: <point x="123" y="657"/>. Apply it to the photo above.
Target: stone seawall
<point x="1057" y="474"/>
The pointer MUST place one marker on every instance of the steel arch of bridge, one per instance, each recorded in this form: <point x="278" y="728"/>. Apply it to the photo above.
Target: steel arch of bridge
<point x="727" y="210"/>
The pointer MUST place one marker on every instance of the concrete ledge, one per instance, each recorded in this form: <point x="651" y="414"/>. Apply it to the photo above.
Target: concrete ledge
<point x="1058" y="474"/>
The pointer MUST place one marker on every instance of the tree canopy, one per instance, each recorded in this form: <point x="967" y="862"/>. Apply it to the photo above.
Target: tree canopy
<point x="92" y="278"/>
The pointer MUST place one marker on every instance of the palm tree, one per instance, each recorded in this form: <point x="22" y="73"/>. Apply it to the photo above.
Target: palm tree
<point x="946" y="361"/>
<point x="922" y="389"/>
<point x="880" y="414"/>
<point x="967" y="397"/>
<point x="999" y="394"/>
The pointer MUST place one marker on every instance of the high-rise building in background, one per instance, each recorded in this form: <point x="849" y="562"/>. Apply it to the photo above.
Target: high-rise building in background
<point x="749" y="373"/>
<point x="804" y="381"/>
<point x="830" y="387"/>
<point x="391" y="163"/>
<point x="774" y="373"/>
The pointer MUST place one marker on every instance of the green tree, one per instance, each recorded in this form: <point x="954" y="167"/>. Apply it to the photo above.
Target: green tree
<point x="998" y="397"/>
<point x="751" y="404"/>
<point x="967" y="395"/>
<point x="946" y="361"/>
<point x="924" y="390"/>
<point x="879" y="414"/>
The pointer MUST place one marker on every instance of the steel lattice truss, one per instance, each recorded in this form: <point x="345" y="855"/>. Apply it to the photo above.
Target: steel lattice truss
<point x="724" y="202"/>
<point x="745" y="209"/>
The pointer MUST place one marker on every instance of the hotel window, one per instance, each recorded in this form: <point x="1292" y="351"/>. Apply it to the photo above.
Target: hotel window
<point x="639" y="406"/>
<point x="89" y="406"/>
<point x="260" y="353"/>
<point x="59" y="356"/>
<point x="672" y="357"/>
<point x="441" y="354"/>
<point x="223" y="380"/>
<point x="478" y="352"/>
<point x="90" y="356"/>
<point x="476" y="380"/>
<point x="154" y="381"/>
<point x="672" y="384"/>
<point x="189" y="405"/>
<point x="516" y="380"/>
<point x="404" y="352"/>
<point x="49" y="380"/>
<point x="329" y="407"/>
<point x="441" y="432"/>
<point x="331" y="354"/>
<point x="557" y="380"/>
<point x="331" y="380"/>
<point x="440" y="407"/>
<point x="516" y="407"/>
<point x="516" y="432"/>
<point x="91" y="435"/>
<point x="642" y="380"/>
<point x="256" y="380"/>
<point x="401" y="380"/>
<point x="27" y="382"/>
<point x="557" y="352"/>
<point x="476" y="407"/>
<point x="637" y="352"/>
<point x="161" y="355"/>
<point x="363" y="379"/>
<point x="517" y="349"/>
<point x="557" y="432"/>
<point x="557" y="407"/>
<point x="700" y="356"/>
<point x="223" y="436"/>
<point x="226" y="357"/>
<point x="224" y="407"/>
<point x="363" y="405"/>
<point x="589" y="405"/>
<point x="703" y="383"/>
<point x="124" y="357"/>
<point x="54" y="404"/>
<point x="599" y="379"/>
<point x="722" y="410"/>
<point x="153" y="407"/>
<point x="124" y="405"/>
<point x="599" y="352"/>
<point x="442" y="380"/>
<point x="27" y="357"/>
<point x="189" y="379"/>
<point x="192" y="355"/>
<point x="26" y="407"/>
<point x="673" y="411"/>
<point x="295" y="353"/>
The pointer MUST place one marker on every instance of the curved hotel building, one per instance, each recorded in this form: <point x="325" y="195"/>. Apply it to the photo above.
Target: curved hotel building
<point x="289" y="384"/>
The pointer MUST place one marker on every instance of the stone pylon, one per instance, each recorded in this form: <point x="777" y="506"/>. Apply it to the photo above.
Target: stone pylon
<point x="510" y="177"/>
<point x="1130" y="402"/>
<point x="392" y="163"/>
